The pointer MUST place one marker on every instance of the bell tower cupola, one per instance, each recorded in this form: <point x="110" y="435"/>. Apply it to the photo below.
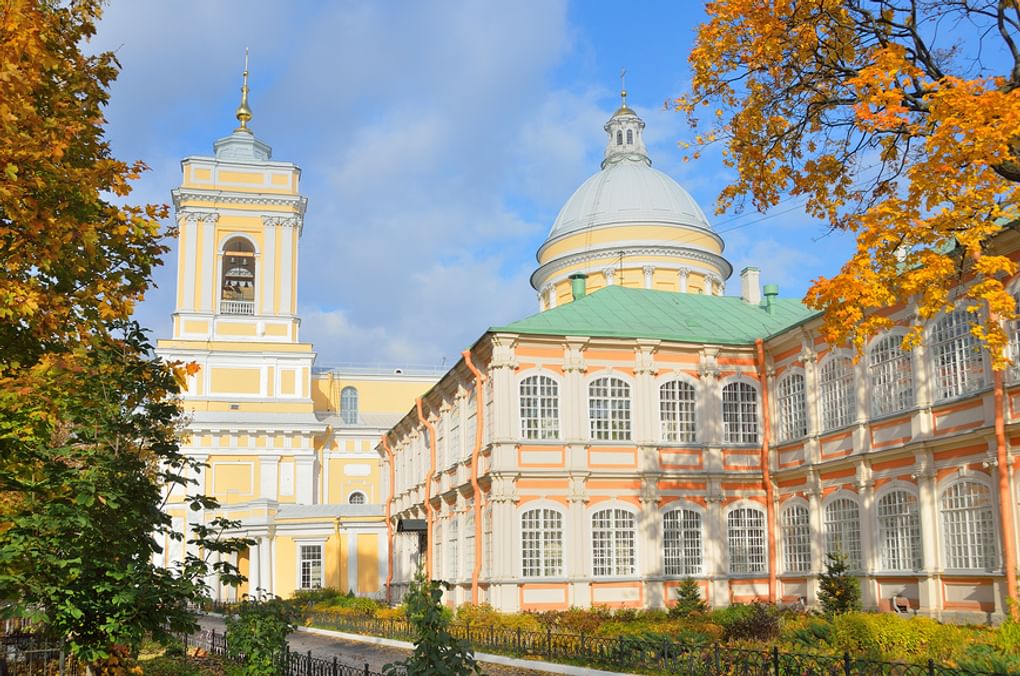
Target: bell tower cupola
<point x="625" y="130"/>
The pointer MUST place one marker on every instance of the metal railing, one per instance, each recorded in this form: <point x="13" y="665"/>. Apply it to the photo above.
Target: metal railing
<point x="650" y="653"/>
<point x="289" y="663"/>
<point x="237" y="307"/>
<point x="32" y="655"/>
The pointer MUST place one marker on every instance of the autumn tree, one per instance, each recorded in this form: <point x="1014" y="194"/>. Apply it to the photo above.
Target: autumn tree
<point x="88" y="417"/>
<point x="896" y="120"/>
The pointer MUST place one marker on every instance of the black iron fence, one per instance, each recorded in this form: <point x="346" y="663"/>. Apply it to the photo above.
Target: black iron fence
<point x="34" y="655"/>
<point x="289" y="663"/>
<point x="650" y="653"/>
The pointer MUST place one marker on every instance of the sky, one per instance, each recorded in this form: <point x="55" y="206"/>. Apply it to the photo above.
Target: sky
<point x="437" y="141"/>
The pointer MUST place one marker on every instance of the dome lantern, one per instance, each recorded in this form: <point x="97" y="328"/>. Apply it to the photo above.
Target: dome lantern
<point x="625" y="136"/>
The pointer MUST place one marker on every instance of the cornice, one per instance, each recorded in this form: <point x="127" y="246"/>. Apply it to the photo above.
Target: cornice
<point x="299" y="202"/>
<point x="545" y="272"/>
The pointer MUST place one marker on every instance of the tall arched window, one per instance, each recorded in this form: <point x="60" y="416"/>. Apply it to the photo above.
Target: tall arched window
<point x="740" y="413"/>
<point x="452" y="549"/>
<point x="541" y="543"/>
<point x="681" y="539"/>
<point x="836" y="390"/>
<point x="792" y="407"/>
<point x="540" y="408"/>
<point x="968" y="527"/>
<point x="958" y="360"/>
<point x="676" y="411"/>
<point x="890" y="376"/>
<point x="843" y="530"/>
<point x="619" y="138"/>
<point x="899" y="531"/>
<point x="349" y="405"/>
<point x="630" y="136"/>
<point x="796" y="530"/>
<point x="612" y="543"/>
<point x="609" y="409"/>
<point x="745" y="537"/>
<point x="237" y="291"/>
<point x="1014" y="344"/>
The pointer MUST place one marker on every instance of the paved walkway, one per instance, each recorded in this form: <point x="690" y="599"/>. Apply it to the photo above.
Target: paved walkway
<point x="360" y="650"/>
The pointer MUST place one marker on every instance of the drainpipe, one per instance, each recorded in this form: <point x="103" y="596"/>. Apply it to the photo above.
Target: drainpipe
<point x="429" y="516"/>
<point x="770" y="509"/>
<point x="1005" y="502"/>
<point x="340" y="556"/>
<point x="479" y="422"/>
<point x="389" y="523"/>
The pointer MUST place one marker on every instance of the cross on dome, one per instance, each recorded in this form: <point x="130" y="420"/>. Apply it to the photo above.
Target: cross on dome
<point x="243" y="113"/>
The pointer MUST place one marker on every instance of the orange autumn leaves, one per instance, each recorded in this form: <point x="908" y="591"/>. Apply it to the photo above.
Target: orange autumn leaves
<point x="907" y="144"/>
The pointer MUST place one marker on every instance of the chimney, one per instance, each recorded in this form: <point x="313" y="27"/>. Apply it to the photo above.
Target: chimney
<point x="771" y="291"/>
<point x="750" y="286"/>
<point x="578" y="284"/>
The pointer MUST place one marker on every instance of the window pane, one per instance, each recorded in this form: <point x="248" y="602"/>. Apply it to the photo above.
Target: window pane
<point x="746" y="539"/>
<point x="969" y="527"/>
<point x="681" y="535"/>
<point x="609" y="409"/>
<point x="836" y="389"/>
<point x="792" y="407"/>
<point x="676" y="411"/>
<point x="957" y="355"/>
<point x="899" y="531"/>
<point x="796" y="531"/>
<point x="613" y="543"/>
<point x="740" y="414"/>
<point x="890" y="377"/>
<point x="542" y="543"/>
<point x="540" y="408"/>
<point x="843" y="530"/>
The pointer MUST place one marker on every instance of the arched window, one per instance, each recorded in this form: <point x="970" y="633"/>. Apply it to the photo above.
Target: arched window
<point x="1014" y="344"/>
<point x="612" y="543"/>
<point x="630" y="136"/>
<point x="452" y="549"/>
<point x="958" y="360"/>
<point x="890" y="376"/>
<point x="836" y="389"/>
<point x="792" y="407"/>
<point x="968" y="527"/>
<point x="681" y="539"/>
<point x="740" y="413"/>
<point x="540" y="408"/>
<point x="356" y="498"/>
<point x="843" y="530"/>
<point x="349" y="405"/>
<point x="619" y="138"/>
<point x="745" y="537"/>
<point x="899" y="531"/>
<point x="542" y="543"/>
<point x="796" y="530"/>
<point x="609" y="409"/>
<point x="237" y="291"/>
<point x="676" y="411"/>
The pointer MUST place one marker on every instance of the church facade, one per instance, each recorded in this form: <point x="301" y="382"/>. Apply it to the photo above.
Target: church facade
<point x="644" y="428"/>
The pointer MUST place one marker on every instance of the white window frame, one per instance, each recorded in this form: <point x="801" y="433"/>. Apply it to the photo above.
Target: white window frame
<point x="841" y="527"/>
<point x="890" y="376"/>
<point x="688" y="544"/>
<point x="974" y="534"/>
<point x="796" y="536"/>
<point x="837" y="392"/>
<point x="320" y="544"/>
<point x="747" y="532"/>
<point x="349" y="415"/>
<point x="539" y="541"/>
<point x="453" y="547"/>
<point x="791" y="402"/>
<point x="741" y="417"/>
<point x="617" y="423"/>
<point x="957" y="359"/>
<point x="544" y="402"/>
<point x="898" y="529"/>
<point x="1013" y="328"/>
<point x="615" y="545"/>
<point x="678" y="417"/>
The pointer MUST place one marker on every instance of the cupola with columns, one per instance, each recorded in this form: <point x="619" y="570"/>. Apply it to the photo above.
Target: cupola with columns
<point x="629" y="224"/>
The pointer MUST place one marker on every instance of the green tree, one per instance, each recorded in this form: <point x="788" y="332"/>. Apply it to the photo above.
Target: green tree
<point x="258" y="633"/>
<point x="89" y="419"/>
<point x="838" y="590"/>
<point x="436" y="650"/>
<point x="688" y="599"/>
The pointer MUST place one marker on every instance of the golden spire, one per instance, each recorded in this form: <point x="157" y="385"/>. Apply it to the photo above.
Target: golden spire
<point x="243" y="113"/>
<point x="623" y="87"/>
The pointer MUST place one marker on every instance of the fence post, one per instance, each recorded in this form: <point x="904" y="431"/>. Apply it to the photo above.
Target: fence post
<point x="548" y="643"/>
<point x="931" y="667"/>
<point x="846" y="663"/>
<point x="775" y="659"/>
<point x="366" y="668"/>
<point x="308" y="664"/>
<point x="718" y="666"/>
<point x="518" y="639"/>
<point x="335" y="665"/>
<point x="580" y="648"/>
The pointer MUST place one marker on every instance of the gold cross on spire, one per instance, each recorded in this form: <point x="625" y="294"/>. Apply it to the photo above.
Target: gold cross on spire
<point x="243" y="113"/>
<point x="623" y="86"/>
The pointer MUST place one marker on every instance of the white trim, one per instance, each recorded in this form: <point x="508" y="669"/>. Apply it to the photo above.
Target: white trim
<point x="519" y="513"/>
<point x="310" y="542"/>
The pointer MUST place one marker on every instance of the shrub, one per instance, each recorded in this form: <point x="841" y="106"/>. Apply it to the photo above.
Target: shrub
<point x="812" y="633"/>
<point x="395" y="613"/>
<point x="1007" y="636"/>
<point x="310" y="597"/>
<point x="759" y="623"/>
<point x="688" y="599"/>
<point x="259" y="633"/>
<point x="436" y="651"/>
<point x="838" y="591"/>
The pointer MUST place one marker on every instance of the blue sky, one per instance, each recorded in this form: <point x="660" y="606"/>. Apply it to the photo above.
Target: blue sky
<point x="438" y="141"/>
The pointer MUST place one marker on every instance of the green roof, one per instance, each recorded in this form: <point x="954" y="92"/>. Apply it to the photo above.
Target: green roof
<point x="618" y="312"/>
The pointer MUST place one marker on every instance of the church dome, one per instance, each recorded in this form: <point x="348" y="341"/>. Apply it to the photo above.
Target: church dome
<point x="628" y="192"/>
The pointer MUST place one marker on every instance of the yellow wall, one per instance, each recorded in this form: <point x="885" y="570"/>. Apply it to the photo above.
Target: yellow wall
<point x="235" y="380"/>
<point x="588" y="239"/>
<point x="286" y="566"/>
<point x="374" y="396"/>
<point x="368" y="563"/>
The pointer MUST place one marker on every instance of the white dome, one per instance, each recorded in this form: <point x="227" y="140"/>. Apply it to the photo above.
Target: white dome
<point x="628" y="192"/>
